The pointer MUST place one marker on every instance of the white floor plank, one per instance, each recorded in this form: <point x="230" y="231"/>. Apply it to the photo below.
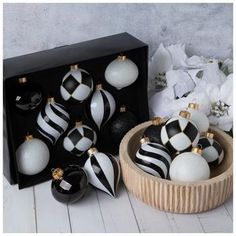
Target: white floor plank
<point x="117" y="212"/>
<point x="18" y="209"/>
<point x="85" y="215"/>
<point x="51" y="215"/>
<point x="150" y="220"/>
<point x="229" y="206"/>
<point x="217" y="220"/>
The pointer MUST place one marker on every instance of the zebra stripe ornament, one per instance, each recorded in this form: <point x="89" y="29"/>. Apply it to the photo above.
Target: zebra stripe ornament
<point x="153" y="158"/>
<point x="53" y="120"/>
<point x="80" y="139"/>
<point x="103" y="171"/>
<point x="77" y="85"/>
<point x="212" y="151"/>
<point x="102" y="106"/>
<point x="179" y="134"/>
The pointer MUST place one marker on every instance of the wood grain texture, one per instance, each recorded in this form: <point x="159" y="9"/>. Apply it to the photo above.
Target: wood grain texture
<point x="172" y="196"/>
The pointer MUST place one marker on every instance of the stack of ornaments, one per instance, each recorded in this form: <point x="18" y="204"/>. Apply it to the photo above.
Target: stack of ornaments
<point x="100" y="170"/>
<point x="181" y="148"/>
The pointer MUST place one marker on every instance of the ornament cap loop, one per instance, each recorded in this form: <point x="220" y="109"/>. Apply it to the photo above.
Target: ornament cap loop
<point x="197" y="150"/>
<point x="57" y="174"/>
<point x="144" y="140"/>
<point x="78" y="123"/>
<point x="123" y="108"/>
<point x="157" y="120"/>
<point x="98" y="86"/>
<point x="51" y="100"/>
<point x="29" y="137"/>
<point x="22" y="80"/>
<point x="209" y="135"/>
<point x="185" y="114"/>
<point x="74" y="67"/>
<point x="121" y="57"/>
<point x="194" y="106"/>
<point x="92" y="151"/>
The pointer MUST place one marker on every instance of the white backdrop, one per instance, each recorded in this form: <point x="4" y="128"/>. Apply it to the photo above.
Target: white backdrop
<point x="206" y="29"/>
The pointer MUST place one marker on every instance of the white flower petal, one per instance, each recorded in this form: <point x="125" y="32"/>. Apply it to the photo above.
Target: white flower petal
<point x="196" y="62"/>
<point x="226" y="90"/>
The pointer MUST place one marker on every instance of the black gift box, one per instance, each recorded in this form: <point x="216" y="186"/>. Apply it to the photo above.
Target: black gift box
<point x="46" y="69"/>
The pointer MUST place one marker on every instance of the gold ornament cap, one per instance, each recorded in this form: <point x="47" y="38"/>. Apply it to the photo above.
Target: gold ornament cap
<point x="78" y="123"/>
<point x="57" y="174"/>
<point x="209" y="135"/>
<point x="22" y="80"/>
<point x="197" y="150"/>
<point x="51" y="100"/>
<point x="194" y="106"/>
<point x="28" y="137"/>
<point x="98" y="86"/>
<point x="185" y="114"/>
<point x="74" y="67"/>
<point x="144" y="140"/>
<point x="92" y="151"/>
<point x="121" y="57"/>
<point x="123" y="108"/>
<point x="157" y="120"/>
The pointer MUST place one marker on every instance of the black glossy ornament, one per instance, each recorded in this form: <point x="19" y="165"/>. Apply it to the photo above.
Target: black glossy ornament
<point x="69" y="185"/>
<point x="124" y="121"/>
<point x="26" y="95"/>
<point x="153" y="132"/>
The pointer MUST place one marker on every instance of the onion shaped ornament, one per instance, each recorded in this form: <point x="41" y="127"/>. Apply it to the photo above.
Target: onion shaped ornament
<point x="212" y="151"/>
<point x="77" y="85"/>
<point x="32" y="156"/>
<point x="53" y="120"/>
<point x="190" y="167"/>
<point x="26" y="96"/>
<point x="79" y="139"/>
<point x="121" y="72"/>
<point x="103" y="171"/>
<point x="70" y="184"/>
<point x="153" y="158"/>
<point x="180" y="134"/>
<point x="102" y="106"/>
<point x="198" y="117"/>
<point x="153" y="132"/>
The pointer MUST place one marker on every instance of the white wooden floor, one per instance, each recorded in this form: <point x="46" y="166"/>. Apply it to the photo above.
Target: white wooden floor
<point x="34" y="210"/>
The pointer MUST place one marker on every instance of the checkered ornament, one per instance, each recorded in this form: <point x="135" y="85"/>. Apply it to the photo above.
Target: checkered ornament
<point x="77" y="85"/>
<point x="211" y="151"/>
<point x="79" y="140"/>
<point x="179" y="134"/>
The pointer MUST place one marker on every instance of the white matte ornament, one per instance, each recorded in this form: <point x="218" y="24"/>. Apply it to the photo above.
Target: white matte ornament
<point x="32" y="156"/>
<point x="121" y="72"/>
<point x="198" y="117"/>
<point x="189" y="167"/>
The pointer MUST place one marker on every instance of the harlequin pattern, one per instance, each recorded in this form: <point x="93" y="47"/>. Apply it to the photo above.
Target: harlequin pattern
<point x="179" y="135"/>
<point x="211" y="151"/>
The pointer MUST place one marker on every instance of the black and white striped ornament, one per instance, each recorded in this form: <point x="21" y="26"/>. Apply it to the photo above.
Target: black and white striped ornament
<point x="103" y="171"/>
<point x="153" y="158"/>
<point x="79" y="139"/>
<point x="102" y="106"/>
<point x="179" y="134"/>
<point x="212" y="151"/>
<point x="77" y="85"/>
<point x="53" y="120"/>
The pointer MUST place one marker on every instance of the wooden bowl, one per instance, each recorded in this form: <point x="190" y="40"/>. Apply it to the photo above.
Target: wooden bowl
<point x="173" y="196"/>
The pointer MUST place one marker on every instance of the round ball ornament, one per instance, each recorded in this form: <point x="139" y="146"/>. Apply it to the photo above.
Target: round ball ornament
<point x="123" y="122"/>
<point x="103" y="171"/>
<point x="189" y="167"/>
<point x="212" y="151"/>
<point x="70" y="184"/>
<point x="153" y="132"/>
<point x="153" y="158"/>
<point x="32" y="156"/>
<point x="179" y="134"/>
<point x="121" y="72"/>
<point x="77" y="85"/>
<point x="79" y="139"/>
<point x="198" y="117"/>
<point x="102" y="106"/>
<point x="27" y="96"/>
<point x="53" y="120"/>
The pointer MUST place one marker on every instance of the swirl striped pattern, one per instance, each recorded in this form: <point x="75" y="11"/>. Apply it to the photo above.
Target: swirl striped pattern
<point x="53" y="121"/>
